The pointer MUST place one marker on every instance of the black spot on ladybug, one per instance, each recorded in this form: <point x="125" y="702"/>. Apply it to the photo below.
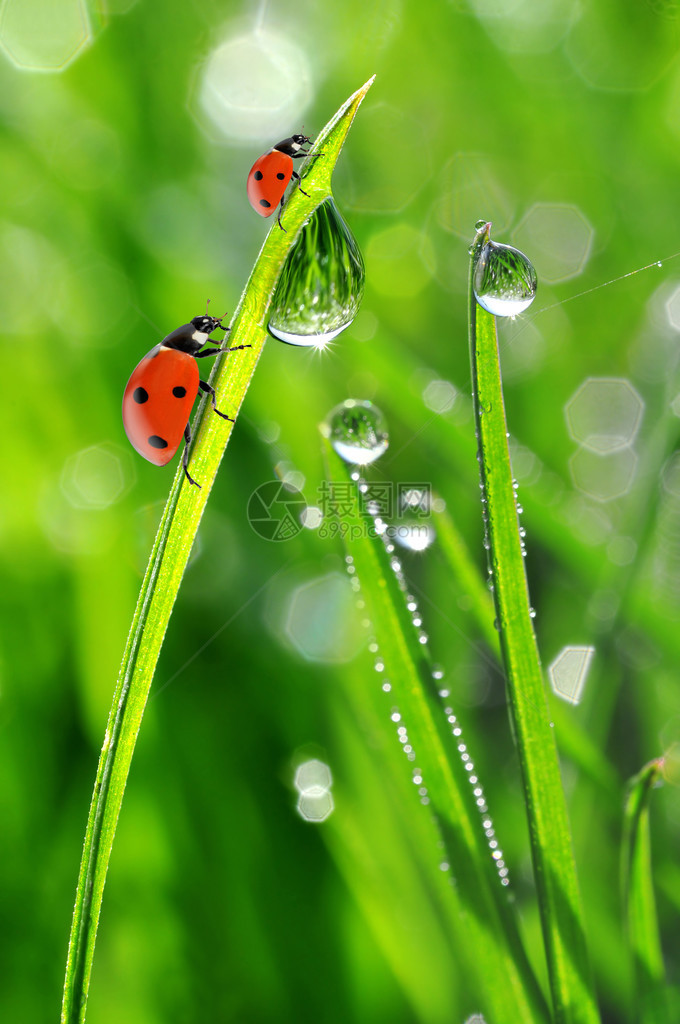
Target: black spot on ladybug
<point x="157" y="442"/>
<point x="265" y="202"/>
<point x="140" y="395"/>
<point x="258" y="175"/>
<point x="281" y="175"/>
<point x="179" y="392"/>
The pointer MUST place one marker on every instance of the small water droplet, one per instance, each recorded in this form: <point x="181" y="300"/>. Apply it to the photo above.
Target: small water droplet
<point x="358" y="431"/>
<point x="321" y="284"/>
<point x="504" y="280"/>
<point x="415" y="535"/>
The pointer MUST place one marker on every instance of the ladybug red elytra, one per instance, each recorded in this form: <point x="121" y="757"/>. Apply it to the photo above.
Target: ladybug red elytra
<point x="269" y="176"/>
<point x="162" y="390"/>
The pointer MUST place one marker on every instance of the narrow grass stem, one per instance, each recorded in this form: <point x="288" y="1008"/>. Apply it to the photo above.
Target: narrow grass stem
<point x="550" y="838"/>
<point x="638" y="895"/>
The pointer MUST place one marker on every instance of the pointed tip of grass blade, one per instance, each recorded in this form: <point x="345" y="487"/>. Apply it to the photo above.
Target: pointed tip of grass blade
<point x="365" y="87"/>
<point x="334" y="134"/>
<point x="346" y="111"/>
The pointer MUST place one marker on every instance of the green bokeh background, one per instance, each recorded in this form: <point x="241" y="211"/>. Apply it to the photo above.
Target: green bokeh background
<point x="124" y="209"/>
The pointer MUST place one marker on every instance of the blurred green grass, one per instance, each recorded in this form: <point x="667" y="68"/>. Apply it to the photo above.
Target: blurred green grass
<point x="121" y="215"/>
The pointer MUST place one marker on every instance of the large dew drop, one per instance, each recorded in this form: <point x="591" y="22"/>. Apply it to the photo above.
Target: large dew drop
<point x="322" y="282"/>
<point x="358" y="431"/>
<point x="504" y="280"/>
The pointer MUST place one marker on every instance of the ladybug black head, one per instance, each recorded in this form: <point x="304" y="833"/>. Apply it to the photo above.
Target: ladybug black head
<point x="293" y="145"/>
<point x="206" y="324"/>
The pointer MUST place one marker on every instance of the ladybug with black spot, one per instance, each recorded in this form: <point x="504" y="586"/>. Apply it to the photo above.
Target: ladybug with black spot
<point x="161" y="392"/>
<point x="269" y="176"/>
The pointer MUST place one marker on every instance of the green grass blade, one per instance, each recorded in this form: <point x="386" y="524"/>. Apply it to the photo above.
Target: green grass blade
<point x="574" y="741"/>
<point x="551" y="847"/>
<point x="638" y="895"/>
<point x="231" y="378"/>
<point x="478" y="913"/>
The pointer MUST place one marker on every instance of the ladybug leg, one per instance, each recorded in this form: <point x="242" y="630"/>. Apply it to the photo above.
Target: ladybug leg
<point x="236" y="348"/>
<point x="208" y="352"/>
<point x="278" y="217"/>
<point x="315" y="156"/>
<point x="299" y="181"/>
<point x="296" y="156"/>
<point x="185" y="456"/>
<point x="209" y="390"/>
<point x="214" y="351"/>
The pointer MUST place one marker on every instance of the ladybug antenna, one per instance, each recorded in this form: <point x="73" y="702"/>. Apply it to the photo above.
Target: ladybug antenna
<point x="206" y="306"/>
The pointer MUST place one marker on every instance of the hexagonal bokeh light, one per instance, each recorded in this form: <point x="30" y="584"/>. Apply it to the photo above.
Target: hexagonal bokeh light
<point x="559" y="238"/>
<point x="97" y="477"/>
<point x="313" y="775"/>
<point x="470" y="183"/>
<point x="603" y="477"/>
<point x="604" y="414"/>
<point x="612" y="59"/>
<point x="439" y="395"/>
<point x="670" y="475"/>
<point x="312" y="517"/>
<point x="391" y="136"/>
<point x="672" y="307"/>
<point x="569" y="671"/>
<point x="322" y="620"/>
<point x="524" y="26"/>
<point x="44" y="35"/>
<point x="253" y="84"/>
<point x="313" y="782"/>
<point x="315" y="807"/>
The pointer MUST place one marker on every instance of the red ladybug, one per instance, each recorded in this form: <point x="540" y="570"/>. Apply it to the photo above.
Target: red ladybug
<point x="269" y="176"/>
<point x="162" y="390"/>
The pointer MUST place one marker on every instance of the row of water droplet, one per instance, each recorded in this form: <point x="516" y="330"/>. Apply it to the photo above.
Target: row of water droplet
<point x="358" y="433"/>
